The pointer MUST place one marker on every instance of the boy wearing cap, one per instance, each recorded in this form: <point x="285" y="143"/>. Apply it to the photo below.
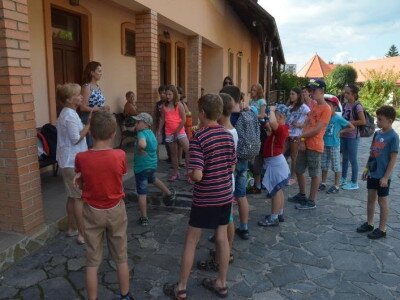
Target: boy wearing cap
<point x="311" y="147"/>
<point x="331" y="154"/>
<point x="277" y="172"/>
<point x="145" y="165"/>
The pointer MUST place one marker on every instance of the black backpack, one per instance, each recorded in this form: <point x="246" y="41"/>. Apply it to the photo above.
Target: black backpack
<point x="368" y="129"/>
<point x="50" y="134"/>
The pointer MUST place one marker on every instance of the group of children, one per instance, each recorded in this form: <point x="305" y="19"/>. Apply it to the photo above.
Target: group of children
<point x="217" y="159"/>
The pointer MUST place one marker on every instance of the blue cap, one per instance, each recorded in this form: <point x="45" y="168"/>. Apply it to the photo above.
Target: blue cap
<point x="316" y="84"/>
<point x="283" y="109"/>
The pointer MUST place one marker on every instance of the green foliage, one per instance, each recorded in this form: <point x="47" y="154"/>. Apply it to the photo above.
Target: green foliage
<point x="379" y="89"/>
<point x="392" y="51"/>
<point x="289" y="81"/>
<point x="339" y="77"/>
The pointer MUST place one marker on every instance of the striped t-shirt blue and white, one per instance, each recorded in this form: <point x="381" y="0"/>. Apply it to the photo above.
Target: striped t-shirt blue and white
<point x="212" y="150"/>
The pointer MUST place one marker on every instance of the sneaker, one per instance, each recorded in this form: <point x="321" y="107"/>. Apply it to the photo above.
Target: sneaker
<point x="297" y="198"/>
<point x="170" y="200"/>
<point x="365" y="227"/>
<point x="268" y="222"/>
<point x="322" y="187"/>
<point x="333" y="190"/>
<point x="376" y="234"/>
<point x="144" y="221"/>
<point x="350" y="186"/>
<point x="173" y="177"/>
<point x="243" y="234"/>
<point x="342" y="181"/>
<point x="307" y="204"/>
<point x="127" y="297"/>
<point x="280" y="218"/>
<point x="254" y="190"/>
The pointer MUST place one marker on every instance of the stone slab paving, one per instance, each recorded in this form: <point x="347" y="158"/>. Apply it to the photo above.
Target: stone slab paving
<point x="312" y="255"/>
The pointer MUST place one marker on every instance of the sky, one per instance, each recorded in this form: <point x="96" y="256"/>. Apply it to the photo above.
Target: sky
<point x="338" y="30"/>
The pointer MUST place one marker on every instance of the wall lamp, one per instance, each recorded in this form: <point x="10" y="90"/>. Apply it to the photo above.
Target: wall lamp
<point x="240" y="54"/>
<point x="166" y="34"/>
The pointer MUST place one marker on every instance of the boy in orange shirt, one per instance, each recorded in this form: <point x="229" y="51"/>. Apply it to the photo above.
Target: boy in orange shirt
<point x="311" y="147"/>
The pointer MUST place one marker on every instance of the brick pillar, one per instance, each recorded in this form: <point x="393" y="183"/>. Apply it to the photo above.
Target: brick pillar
<point x="194" y="74"/>
<point x="147" y="68"/>
<point x="20" y="191"/>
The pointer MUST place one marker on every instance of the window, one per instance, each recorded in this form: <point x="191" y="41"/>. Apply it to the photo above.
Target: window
<point x="130" y="43"/>
<point x="239" y="70"/>
<point x="230" y="64"/>
<point x="165" y="63"/>
<point x="180" y="67"/>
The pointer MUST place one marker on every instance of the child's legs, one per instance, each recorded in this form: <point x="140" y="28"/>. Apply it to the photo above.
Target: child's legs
<point x="173" y="147"/>
<point x="384" y="211"/>
<point x="142" y="180"/>
<point x="71" y="214"/>
<point x="314" y="165"/>
<point x="257" y="168"/>
<point x="192" y="238"/>
<point x="78" y="207"/>
<point x="294" y="149"/>
<point x="91" y="282"/>
<point x="184" y="144"/>
<point x="277" y="202"/>
<point x="161" y="186"/>
<point x="337" y="179"/>
<point x="231" y="234"/>
<point x="180" y="151"/>
<point x="372" y="196"/>
<point x="345" y="156"/>
<point x="223" y="252"/>
<point x="123" y="277"/>
<point x="301" y="166"/>
<point x="142" y="199"/>
<point x="325" y="160"/>
<point x="240" y="190"/>
<point x="336" y="165"/>
<point x="353" y="150"/>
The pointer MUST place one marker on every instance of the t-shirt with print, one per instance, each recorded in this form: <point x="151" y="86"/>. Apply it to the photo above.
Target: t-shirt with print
<point x="147" y="159"/>
<point x="348" y="114"/>
<point x="319" y="113"/>
<point x="212" y="150"/>
<point x="275" y="142"/>
<point x="101" y="172"/>
<point x="383" y="144"/>
<point x="297" y="118"/>
<point x="257" y="104"/>
<point x="331" y="136"/>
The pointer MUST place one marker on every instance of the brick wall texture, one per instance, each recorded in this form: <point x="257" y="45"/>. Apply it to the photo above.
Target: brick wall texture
<point x="20" y="190"/>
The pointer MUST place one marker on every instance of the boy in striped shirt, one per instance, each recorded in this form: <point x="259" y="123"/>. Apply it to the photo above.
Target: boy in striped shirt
<point x="212" y="161"/>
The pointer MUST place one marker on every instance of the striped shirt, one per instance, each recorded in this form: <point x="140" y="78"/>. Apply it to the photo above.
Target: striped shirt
<point x="212" y="150"/>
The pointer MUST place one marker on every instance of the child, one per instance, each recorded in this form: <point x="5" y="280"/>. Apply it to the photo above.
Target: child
<point x="212" y="160"/>
<point x="145" y="165"/>
<point x="130" y="108"/>
<point x="173" y="117"/>
<point x="157" y="117"/>
<point x="331" y="153"/>
<point x="99" y="174"/>
<point x="381" y="162"/>
<point x="277" y="172"/>
<point x="311" y="147"/>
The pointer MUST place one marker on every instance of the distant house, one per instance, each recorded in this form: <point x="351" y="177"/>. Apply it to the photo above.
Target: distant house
<point x="316" y="67"/>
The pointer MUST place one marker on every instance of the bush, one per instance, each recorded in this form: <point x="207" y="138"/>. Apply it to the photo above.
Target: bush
<point x="339" y="77"/>
<point x="289" y="81"/>
<point x="379" y="89"/>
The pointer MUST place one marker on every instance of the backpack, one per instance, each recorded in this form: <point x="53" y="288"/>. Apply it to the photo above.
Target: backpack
<point x="43" y="146"/>
<point x="368" y="129"/>
<point x="248" y="130"/>
<point x="49" y="132"/>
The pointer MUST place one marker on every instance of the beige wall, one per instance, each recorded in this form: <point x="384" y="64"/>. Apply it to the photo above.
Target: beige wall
<point x="211" y="69"/>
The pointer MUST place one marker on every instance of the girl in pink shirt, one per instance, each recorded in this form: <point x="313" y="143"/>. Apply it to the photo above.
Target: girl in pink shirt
<point x="174" y="117"/>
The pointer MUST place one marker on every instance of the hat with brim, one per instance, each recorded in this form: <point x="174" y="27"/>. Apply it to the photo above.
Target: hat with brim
<point x="145" y="117"/>
<point x="334" y="100"/>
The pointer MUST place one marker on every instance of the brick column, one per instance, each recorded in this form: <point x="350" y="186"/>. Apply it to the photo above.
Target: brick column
<point x="194" y="74"/>
<point x="147" y="60"/>
<point x="20" y="191"/>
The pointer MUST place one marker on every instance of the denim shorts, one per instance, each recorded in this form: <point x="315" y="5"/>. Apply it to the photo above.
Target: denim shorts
<point x="174" y="138"/>
<point x="241" y="178"/>
<point x="143" y="179"/>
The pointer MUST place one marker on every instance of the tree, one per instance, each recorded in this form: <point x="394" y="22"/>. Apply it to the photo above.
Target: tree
<point x="288" y="81"/>
<point x="339" y="77"/>
<point x="392" y="51"/>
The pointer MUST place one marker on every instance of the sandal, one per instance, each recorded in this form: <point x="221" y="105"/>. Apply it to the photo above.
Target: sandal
<point x="208" y="265"/>
<point x="173" y="177"/>
<point x="171" y="290"/>
<point x="209" y="284"/>
<point x="212" y="255"/>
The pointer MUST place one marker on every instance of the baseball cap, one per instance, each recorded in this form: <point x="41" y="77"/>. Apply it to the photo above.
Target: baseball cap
<point x="145" y="117"/>
<point x="316" y="84"/>
<point x="283" y="109"/>
<point x="332" y="99"/>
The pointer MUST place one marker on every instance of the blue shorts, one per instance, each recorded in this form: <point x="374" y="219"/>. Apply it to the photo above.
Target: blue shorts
<point x="241" y="178"/>
<point x="143" y="179"/>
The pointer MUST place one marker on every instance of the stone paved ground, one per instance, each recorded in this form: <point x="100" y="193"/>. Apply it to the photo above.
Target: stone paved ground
<point x="312" y="255"/>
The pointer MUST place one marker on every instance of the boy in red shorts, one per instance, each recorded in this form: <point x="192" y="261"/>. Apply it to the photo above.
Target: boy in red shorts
<point x="99" y="174"/>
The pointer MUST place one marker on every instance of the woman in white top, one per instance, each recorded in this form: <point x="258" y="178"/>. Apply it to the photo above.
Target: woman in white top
<point x="71" y="140"/>
<point x="296" y="119"/>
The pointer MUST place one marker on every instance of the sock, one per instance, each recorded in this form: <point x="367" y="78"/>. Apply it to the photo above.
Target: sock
<point x="281" y="211"/>
<point x="243" y="226"/>
<point x="274" y="217"/>
<point x="258" y="185"/>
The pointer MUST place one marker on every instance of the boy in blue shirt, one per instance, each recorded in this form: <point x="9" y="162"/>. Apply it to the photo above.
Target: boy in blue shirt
<point x="379" y="168"/>
<point x="331" y="154"/>
<point x="145" y="164"/>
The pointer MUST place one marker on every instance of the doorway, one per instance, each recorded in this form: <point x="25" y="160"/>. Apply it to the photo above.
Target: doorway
<point x="165" y="63"/>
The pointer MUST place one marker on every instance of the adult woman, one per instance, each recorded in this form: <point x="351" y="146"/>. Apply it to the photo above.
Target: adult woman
<point x="258" y="105"/>
<point x="227" y="81"/>
<point x="93" y="98"/>
<point x="295" y="120"/>
<point x="70" y="141"/>
<point x="354" y="113"/>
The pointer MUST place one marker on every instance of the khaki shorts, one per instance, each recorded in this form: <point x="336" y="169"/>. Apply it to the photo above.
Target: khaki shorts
<point x="110" y="222"/>
<point x="309" y="159"/>
<point x="68" y="175"/>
